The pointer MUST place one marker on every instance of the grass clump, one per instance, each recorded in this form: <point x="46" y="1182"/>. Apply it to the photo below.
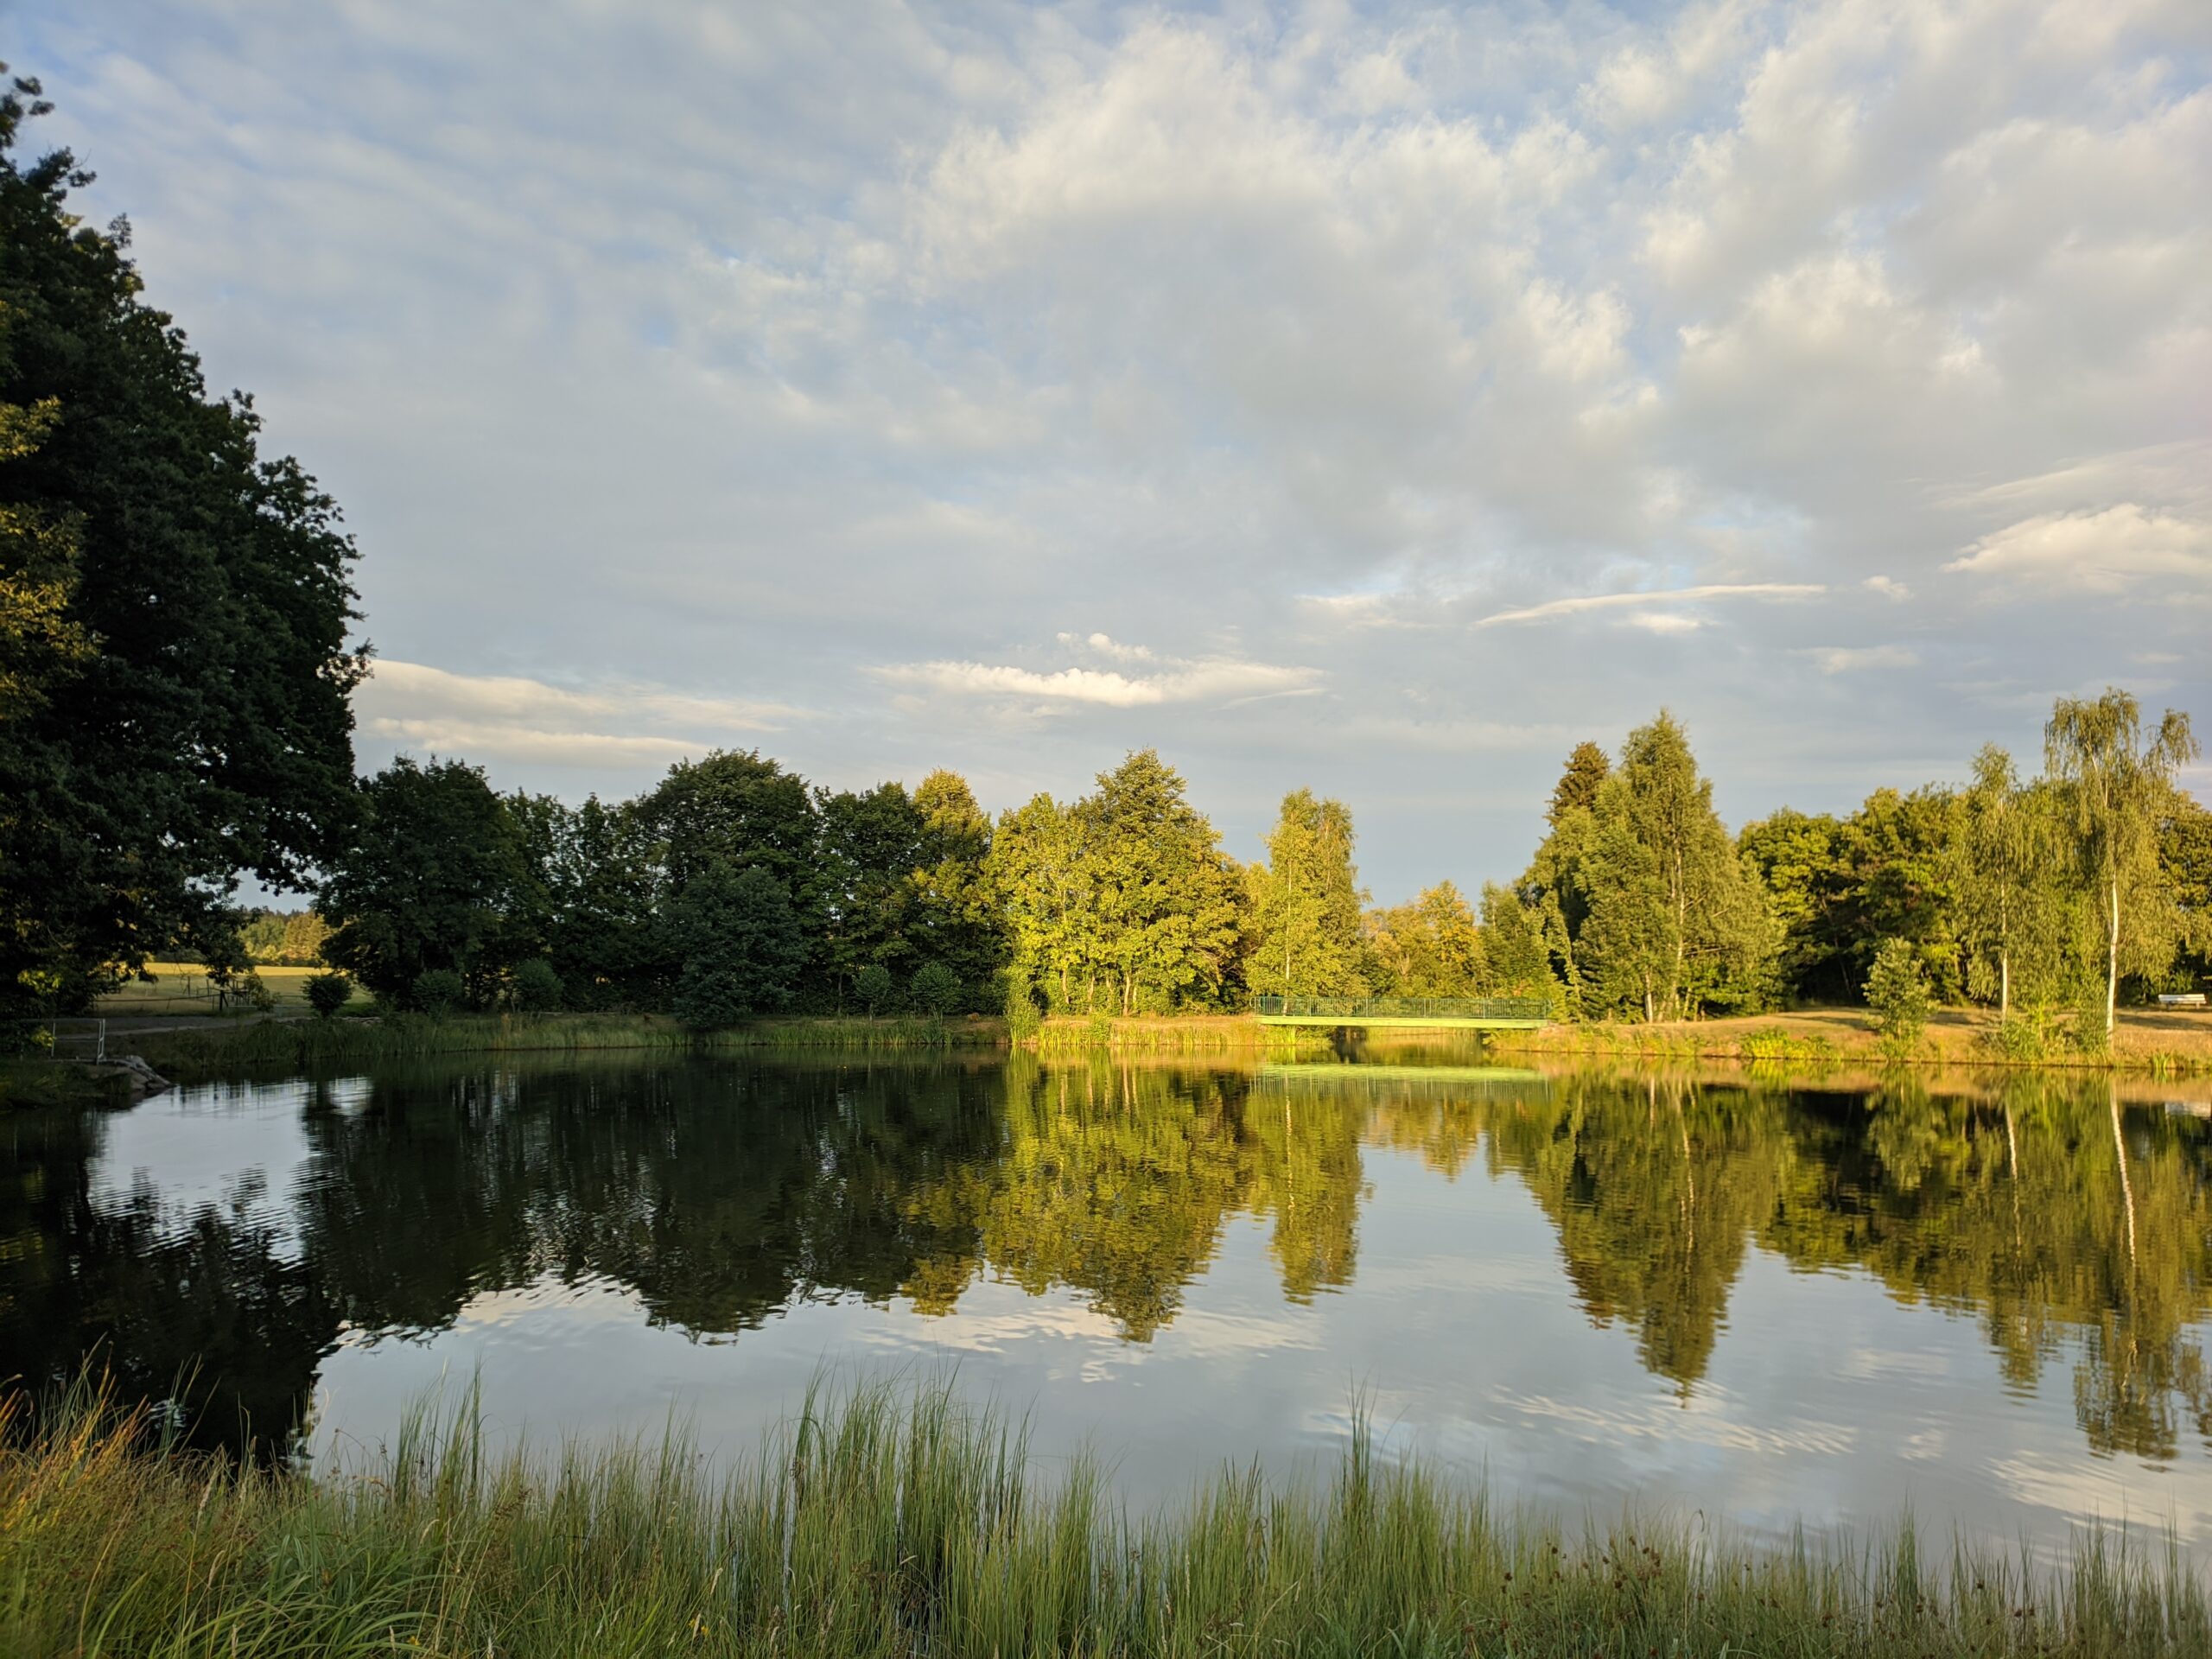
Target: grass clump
<point x="897" y="1524"/>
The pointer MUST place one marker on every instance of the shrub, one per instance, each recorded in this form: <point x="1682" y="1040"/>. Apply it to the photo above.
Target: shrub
<point x="874" y="986"/>
<point x="2086" y="1034"/>
<point x="535" y="988"/>
<point x="936" y="989"/>
<point x="2022" y="1038"/>
<point x="252" y="990"/>
<point x="1024" y="1020"/>
<point x="328" y="992"/>
<point x="439" y="991"/>
<point x="1897" y="989"/>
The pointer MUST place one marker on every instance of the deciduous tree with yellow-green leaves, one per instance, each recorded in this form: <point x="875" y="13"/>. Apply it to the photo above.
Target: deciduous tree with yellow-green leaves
<point x="2118" y="786"/>
<point x="1306" y="903"/>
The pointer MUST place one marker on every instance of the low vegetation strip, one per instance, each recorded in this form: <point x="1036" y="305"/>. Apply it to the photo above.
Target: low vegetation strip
<point x="904" y="1525"/>
<point x="193" y="1051"/>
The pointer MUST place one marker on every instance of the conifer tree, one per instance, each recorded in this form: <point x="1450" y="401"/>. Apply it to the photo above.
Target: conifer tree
<point x="1675" y="921"/>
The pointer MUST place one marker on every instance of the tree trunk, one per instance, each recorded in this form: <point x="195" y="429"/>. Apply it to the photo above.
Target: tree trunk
<point x="2004" y="986"/>
<point x="2112" y="959"/>
<point x="2126" y="1186"/>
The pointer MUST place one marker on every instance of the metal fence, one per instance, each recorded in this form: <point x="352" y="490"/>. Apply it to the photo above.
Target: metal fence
<point x="1355" y="1009"/>
<point x="78" y="1039"/>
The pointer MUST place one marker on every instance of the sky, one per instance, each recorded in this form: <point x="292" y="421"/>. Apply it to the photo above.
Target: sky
<point x="1380" y="399"/>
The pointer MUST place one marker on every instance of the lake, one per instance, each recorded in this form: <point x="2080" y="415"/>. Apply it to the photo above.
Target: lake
<point x="1766" y="1301"/>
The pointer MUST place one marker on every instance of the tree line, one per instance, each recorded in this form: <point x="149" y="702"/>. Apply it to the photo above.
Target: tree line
<point x="176" y="681"/>
<point x="732" y="889"/>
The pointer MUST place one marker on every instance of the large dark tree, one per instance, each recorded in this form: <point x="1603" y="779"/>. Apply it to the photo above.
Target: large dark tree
<point x="173" y="613"/>
<point x="740" y="946"/>
<point x="432" y="882"/>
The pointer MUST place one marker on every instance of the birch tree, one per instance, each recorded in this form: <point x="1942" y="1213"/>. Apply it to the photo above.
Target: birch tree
<point x="2118" y="784"/>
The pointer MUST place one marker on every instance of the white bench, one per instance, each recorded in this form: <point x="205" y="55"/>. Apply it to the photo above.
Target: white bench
<point x="2181" y="999"/>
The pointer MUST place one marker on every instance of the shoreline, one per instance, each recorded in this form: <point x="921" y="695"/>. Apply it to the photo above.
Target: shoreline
<point x="2149" y="1042"/>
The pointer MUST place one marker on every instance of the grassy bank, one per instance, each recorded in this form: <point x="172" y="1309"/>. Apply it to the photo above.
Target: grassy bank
<point x="2167" y="1044"/>
<point x="2159" y="1044"/>
<point x="891" y="1528"/>
<point x="190" y="1051"/>
<point x="30" y="1084"/>
<point x="193" y="1051"/>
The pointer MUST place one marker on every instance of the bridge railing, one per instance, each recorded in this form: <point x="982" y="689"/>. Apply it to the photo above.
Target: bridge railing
<point x="1355" y="1009"/>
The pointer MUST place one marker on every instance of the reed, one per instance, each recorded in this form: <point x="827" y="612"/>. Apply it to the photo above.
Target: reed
<point x="904" y="1522"/>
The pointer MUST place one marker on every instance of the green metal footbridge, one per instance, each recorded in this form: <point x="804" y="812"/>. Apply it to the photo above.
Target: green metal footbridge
<point x="1434" y="1013"/>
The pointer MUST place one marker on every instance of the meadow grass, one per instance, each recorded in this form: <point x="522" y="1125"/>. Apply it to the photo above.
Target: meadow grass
<point x="894" y="1522"/>
<point x="184" y="988"/>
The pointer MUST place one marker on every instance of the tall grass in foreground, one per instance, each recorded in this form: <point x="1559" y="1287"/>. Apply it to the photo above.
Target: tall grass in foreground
<point x="891" y="1524"/>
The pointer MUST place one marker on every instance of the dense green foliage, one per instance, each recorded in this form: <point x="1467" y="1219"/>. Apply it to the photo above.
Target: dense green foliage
<point x="282" y="938"/>
<point x="1306" y="903"/>
<point x="328" y="992"/>
<point x="1641" y="901"/>
<point x="1897" y="990"/>
<point x="735" y="930"/>
<point x="1638" y="903"/>
<point x="1122" y="901"/>
<point x="173" y="613"/>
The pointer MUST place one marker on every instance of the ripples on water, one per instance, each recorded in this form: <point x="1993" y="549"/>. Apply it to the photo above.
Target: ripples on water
<point x="1766" y="1301"/>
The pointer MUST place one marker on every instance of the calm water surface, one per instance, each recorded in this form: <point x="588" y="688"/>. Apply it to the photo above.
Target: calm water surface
<point x="1764" y="1302"/>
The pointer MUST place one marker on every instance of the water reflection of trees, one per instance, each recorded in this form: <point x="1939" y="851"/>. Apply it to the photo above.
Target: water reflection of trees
<point x="718" y="1195"/>
<point x="2043" y="1208"/>
<point x="214" y="1312"/>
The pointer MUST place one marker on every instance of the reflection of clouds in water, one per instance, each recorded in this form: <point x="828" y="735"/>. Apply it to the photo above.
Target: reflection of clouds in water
<point x="1445" y="1275"/>
<point x="1151" y="1264"/>
<point x="1700" y="1421"/>
<point x="1873" y="1365"/>
<point x="239" y="1149"/>
<point x="593" y="1298"/>
<point x="2101" y="1494"/>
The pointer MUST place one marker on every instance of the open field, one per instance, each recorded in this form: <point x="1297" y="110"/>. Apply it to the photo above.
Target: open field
<point x="891" y="1525"/>
<point x="181" y="989"/>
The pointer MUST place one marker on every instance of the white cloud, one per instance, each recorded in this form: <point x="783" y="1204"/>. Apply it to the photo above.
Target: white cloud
<point x="1663" y="621"/>
<point x="430" y="711"/>
<point x="1106" y="645"/>
<point x="1584" y="602"/>
<point x="1216" y="681"/>
<point x="2120" y="548"/>
<point x="1889" y="587"/>
<point x="1847" y="659"/>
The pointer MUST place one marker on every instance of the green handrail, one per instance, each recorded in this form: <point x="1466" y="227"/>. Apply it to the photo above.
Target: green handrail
<point x="1403" y="1007"/>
